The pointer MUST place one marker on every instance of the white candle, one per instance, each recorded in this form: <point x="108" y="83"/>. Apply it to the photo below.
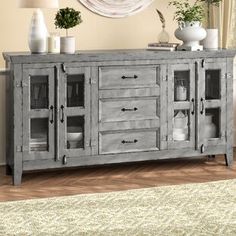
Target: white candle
<point x="54" y="43"/>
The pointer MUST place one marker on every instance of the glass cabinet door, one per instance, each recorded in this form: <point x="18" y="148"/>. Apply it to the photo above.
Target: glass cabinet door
<point x="74" y="112"/>
<point x="38" y="113"/>
<point x="181" y="106"/>
<point x="212" y="103"/>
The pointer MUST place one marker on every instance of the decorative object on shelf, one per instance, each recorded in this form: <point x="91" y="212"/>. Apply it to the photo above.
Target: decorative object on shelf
<point x="180" y="90"/>
<point x="54" y="43"/>
<point x="189" y="19"/>
<point x="114" y="8"/>
<point x="38" y="33"/>
<point x="210" y="127"/>
<point x="74" y="136"/>
<point x="162" y="46"/>
<point x="163" y="37"/>
<point x="67" y="18"/>
<point x="180" y="127"/>
<point x="211" y="40"/>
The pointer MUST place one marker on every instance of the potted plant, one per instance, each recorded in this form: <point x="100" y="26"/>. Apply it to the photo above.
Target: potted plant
<point x="211" y="40"/>
<point x="189" y="17"/>
<point x="67" y="18"/>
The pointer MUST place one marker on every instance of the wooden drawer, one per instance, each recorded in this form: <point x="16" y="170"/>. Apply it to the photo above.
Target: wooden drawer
<point x="123" y="110"/>
<point x="130" y="76"/>
<point x="128" y="141"/>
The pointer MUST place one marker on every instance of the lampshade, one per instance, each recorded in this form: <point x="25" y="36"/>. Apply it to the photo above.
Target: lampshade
<point x="38" y="3"/>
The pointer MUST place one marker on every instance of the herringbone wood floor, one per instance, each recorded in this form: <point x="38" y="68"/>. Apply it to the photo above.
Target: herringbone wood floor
<point x="114" y="178"/>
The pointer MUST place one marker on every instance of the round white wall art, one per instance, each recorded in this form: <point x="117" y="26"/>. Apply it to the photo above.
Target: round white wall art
<point x="116" y="8"/>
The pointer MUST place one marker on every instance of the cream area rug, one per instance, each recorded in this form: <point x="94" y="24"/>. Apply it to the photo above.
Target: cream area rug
<point x="192" y="209"/>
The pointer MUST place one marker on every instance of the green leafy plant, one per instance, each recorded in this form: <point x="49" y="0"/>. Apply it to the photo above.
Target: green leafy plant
<point x="185" y="12"/>
<point x="209" y="3"/>
<point x="67" y="18"/>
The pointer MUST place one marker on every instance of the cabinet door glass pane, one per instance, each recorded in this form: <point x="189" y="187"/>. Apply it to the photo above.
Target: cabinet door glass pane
<point x="212" y="123"/>
<point x="75" y="90"/>
<point x="39" y="134"/>
<point x="75" y="132"/>
<point x="38" y="92"/>
<point x="181" y="125"/>
<point x="212" y="84"/>
<point x="181" y="85"/>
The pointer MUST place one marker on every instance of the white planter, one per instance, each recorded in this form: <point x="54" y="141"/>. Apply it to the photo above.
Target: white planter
<point x="68" y="45"/>
<point x="190" y="33"/>
<point x="211" y="40"/>
<point x="38" y="33"/>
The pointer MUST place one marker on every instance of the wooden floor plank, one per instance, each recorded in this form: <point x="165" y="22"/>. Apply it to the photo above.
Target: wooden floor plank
<point x="115" y="178"/>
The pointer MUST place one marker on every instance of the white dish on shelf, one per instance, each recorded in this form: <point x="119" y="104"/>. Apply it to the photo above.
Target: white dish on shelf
<point x="75" y="136"/>
<point x="180" y="134"/>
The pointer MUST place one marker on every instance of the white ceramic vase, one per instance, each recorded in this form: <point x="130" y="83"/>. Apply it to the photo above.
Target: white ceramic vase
<point x="68" y="45"/>
<point x="38" y="33"/>
<point x="211" y="40"/>
<point x="190" y="33"/>
<point x="210" y="127"/>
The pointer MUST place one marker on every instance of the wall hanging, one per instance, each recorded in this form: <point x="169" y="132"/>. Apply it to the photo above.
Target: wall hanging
<point x="116" y="8"/>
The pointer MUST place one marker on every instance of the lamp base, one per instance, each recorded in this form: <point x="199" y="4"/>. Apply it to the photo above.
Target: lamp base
<point x="38" y="33"/>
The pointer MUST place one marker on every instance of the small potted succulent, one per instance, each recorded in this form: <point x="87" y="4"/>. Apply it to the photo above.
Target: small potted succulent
<point x="211" y="40"/>
<point x="189" y="17"/>
<point x="67" y="18"/>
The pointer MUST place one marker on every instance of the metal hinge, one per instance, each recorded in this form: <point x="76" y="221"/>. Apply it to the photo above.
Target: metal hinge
<point x="21" y="84"/>
<point x="228" y="75"/>
<point x="92" y="81"/>
<point x="22" y="148"/>
<point x="165" y="78"/>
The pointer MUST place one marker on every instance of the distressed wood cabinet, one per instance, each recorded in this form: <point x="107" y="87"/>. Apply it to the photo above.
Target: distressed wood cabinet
<point x="101" y="107"/>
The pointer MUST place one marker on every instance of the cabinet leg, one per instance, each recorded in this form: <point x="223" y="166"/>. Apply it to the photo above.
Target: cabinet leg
<point x="8" y="170"/>
<point x="16" y="177"/>
<point x="229" y="158"/>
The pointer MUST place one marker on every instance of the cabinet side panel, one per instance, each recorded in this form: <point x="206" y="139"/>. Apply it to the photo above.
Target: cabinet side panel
<point x="229" y="111"/>
<point x="17" y="121"/>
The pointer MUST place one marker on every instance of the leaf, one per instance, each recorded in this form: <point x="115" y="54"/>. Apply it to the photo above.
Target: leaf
<point x="162" y="19"/>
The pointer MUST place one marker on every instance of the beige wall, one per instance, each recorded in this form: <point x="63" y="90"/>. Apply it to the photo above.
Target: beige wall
<point x="96" y="32"/>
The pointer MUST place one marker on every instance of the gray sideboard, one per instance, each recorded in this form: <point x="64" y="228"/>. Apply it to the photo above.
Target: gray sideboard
<point x="102" y="107"/>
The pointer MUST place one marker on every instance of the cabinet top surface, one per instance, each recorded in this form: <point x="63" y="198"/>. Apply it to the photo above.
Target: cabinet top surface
<point x="114" y="55"/>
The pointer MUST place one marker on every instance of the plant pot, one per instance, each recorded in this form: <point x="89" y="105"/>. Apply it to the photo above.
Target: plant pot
<point x="190" y="33"/>
<point x="211" y="40"/>
<point x="68" y="45"/>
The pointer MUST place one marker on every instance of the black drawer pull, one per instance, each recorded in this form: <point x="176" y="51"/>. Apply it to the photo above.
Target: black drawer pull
<point x="129" y="109"/>
<point x="129" y="77"/>
<point x="124" y="141"/>
<point x="62" y="114"/>
<point x="51" y="116"/>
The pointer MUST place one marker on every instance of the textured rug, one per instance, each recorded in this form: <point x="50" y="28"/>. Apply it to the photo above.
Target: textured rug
<point x="192" y="209"/>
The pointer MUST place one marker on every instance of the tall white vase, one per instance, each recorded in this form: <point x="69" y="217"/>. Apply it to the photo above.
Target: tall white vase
<point x="38" y="33"/>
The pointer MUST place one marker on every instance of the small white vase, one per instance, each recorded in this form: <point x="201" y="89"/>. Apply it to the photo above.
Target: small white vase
<point x="38" y="33"/>
<point x="68" y="45"/>
<point x="211" y="40"/>
<point x="190" y="33"/>
<point x="210" y="127"/>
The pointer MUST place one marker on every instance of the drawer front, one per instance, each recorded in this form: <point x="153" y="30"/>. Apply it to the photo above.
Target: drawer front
<point x="128" y="141"/>
<point x="111" y="111"/>
<point x="123" y="77"/>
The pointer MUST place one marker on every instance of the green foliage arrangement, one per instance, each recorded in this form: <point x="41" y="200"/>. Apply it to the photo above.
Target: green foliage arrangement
<point x="67" y="18"/>
<point x="209" y="3"/>
<point x="185" y="12"/>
